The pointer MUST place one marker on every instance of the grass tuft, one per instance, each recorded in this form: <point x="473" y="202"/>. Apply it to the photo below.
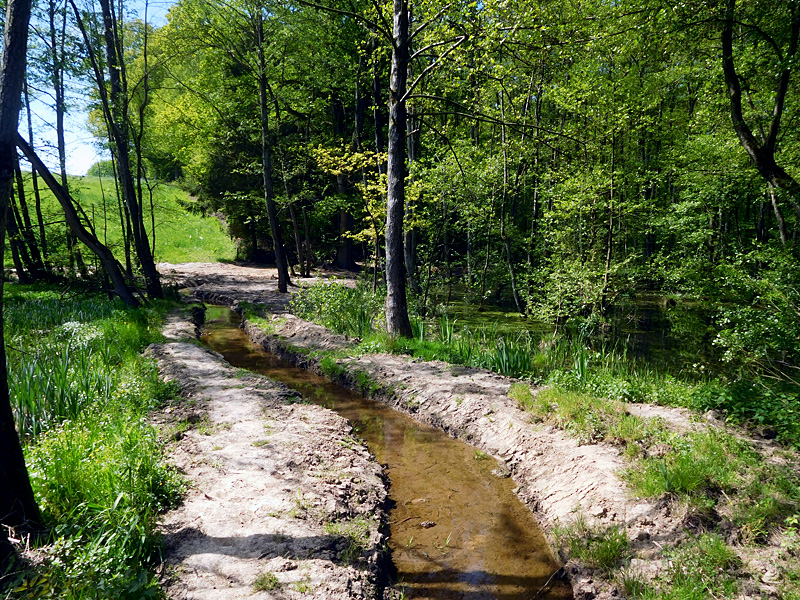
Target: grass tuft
<point x="266" y="582"/>
<point x="603" y="549"/>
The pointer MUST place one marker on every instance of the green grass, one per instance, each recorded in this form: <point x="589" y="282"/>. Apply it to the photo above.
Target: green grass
<point x="355" y="532"/>
<point x="266" y="582"/>
<point x="180" y="236"/>
<point x="704" y="567"/>
<point x="603" y="549"/>
<point x="81" y="391"/>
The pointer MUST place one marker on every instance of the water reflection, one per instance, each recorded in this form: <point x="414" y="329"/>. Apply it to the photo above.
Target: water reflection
<point x="456" y="530"/>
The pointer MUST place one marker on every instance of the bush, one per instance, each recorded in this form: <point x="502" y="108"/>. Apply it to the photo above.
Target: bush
<point x="348" y="310"/>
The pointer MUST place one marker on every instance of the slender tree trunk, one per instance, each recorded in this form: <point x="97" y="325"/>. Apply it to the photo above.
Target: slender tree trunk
<point x="105" y="255"/>
<point x="778" y="214"/>
<point x="114" y="102"/>
<point x="15" y="242"/>
<point x="378" y="116"/>
<point x="298" y="244"/>
<point x="36" y="194"/>
<point x="26" y="228"/>
<point x="307" y="232"/>
<point x="18" y="507"/>
<point x="610" y="232"/>
<point x="410" y="232"/>
<point x="269" y="193"/>
<point x="503" y="235"/>
<point x="397" y="322"/>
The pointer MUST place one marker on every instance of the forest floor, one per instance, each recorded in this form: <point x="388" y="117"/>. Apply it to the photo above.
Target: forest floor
<point x="560" y="478"/>
<point x="282" y="502"/>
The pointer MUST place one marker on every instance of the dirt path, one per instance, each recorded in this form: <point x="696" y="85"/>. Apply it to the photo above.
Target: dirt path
<point x="282" y="503"/>
<point x="227" y="284"/>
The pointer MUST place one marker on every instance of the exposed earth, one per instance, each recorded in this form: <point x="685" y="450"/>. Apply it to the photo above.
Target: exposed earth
<point x="278" y="507"/>
<point x="557" y="477"/>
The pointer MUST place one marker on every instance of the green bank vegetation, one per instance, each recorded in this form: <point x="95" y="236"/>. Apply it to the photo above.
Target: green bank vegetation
<point x="721" y="481"/>
<point x="81" y="391"/>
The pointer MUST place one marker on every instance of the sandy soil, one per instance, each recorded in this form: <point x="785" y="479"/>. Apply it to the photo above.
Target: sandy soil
<point x="276" y="487"/>
<point x="557" y="477"/>
<point x="227" y="284"/>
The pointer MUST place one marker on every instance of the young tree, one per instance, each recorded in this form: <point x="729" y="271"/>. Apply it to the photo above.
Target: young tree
<point x="114" y="103"/>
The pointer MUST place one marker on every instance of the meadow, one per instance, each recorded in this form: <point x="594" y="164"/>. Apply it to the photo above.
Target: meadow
<point x="181" y="235"/>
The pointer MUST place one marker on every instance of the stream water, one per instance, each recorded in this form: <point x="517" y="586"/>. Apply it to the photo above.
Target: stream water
<point x="456" y="529"/>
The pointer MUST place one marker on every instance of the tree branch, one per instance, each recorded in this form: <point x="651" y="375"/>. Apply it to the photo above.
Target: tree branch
<point x="430" y="67"/>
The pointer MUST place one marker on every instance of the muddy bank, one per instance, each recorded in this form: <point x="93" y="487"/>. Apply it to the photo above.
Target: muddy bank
<point x="283" y="502"/>
<point x="558" y="478"/>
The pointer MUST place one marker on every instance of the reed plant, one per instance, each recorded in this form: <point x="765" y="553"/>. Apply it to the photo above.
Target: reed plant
<point x="80" y="392"/>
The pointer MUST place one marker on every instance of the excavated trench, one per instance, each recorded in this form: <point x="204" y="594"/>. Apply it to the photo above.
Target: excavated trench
<point x="457" y="530"/>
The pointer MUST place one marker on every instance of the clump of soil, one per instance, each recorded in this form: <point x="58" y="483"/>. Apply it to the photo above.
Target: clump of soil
<point x="282" y="501"/>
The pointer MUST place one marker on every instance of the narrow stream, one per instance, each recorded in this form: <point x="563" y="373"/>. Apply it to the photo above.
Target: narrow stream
<point x="456" y="530"/>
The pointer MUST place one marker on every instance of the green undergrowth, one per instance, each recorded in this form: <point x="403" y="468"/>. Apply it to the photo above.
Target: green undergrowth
<point x="564" y="362"/>
<point x="732" y="497"/>
<point x="725" y="486"/>
<point x="81" y="391"/>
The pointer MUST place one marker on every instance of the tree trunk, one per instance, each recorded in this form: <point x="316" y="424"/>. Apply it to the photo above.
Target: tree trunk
<point x="114" y="106"/>
<point x="36" y="195"/>
<point x="18" y="506"/>
<point x="298" y="244"/>
<point x="762" y="155"/>
<point x="307" y="232"/>
<point x="15" y="243"/>
<point x="397" y="322"/>
<point x="26" y="228"/>
<point x="105" y="255"/>
<point x="269" y="192"/>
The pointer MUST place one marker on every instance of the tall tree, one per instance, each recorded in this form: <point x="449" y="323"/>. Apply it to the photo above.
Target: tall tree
<point x="18" y="507"/>
<point x="783" y="45"/>
<point x="114" y="101"/>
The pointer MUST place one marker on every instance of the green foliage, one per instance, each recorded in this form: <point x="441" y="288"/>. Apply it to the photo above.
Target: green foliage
<point x="349" y="310"/>
<point x="64" y="356"/>
<point x="775" y="407"/>
<point x="96" y="464"/>
<point x="266" y="582"/>
<point x="704" y="567"/>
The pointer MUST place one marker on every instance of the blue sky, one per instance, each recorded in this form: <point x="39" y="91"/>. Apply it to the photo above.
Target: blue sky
<point x="82" y="149"/>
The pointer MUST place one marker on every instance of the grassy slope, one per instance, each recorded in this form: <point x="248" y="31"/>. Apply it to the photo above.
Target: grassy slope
<point x="180" y="236"/>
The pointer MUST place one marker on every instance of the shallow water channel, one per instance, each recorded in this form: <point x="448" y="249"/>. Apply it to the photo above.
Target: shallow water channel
<point x="456" y="529"/>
